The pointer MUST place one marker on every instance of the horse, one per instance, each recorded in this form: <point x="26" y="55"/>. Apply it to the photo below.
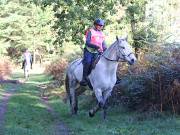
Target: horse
<point x="102" y="78"/>
<point x="27" y="65"/>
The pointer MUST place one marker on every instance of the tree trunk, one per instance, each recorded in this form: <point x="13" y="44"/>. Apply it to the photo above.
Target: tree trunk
<point x="34" y="57"/>
<point x="133" y="29"/>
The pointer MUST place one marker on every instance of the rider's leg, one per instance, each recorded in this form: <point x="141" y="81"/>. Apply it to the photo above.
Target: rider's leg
<point x="86" y="67"/>
<point x="23" y="64"/>
<point x="95" y="58"/>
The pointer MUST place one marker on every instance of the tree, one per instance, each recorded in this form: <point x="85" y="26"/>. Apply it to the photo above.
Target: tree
<point x="75" y="16"/>
<point x="25" y="25"/>
<point x="136" y="16"/>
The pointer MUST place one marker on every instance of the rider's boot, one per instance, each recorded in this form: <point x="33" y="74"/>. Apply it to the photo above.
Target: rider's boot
<point x="86" y="67"/>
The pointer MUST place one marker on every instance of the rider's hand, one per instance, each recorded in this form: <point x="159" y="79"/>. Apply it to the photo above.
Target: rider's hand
<point x="104" y="49"/>
<point x="100" y="50"/>
<point x="100" y="53"/>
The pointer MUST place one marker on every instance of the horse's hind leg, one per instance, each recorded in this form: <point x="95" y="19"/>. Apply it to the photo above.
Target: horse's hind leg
<point x="73" y="97"/>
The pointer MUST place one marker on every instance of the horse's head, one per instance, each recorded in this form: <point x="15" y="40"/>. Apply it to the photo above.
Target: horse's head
<point x="125" y="51"/>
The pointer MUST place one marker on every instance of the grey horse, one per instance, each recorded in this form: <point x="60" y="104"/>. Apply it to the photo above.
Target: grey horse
<point x="102" y="77"/>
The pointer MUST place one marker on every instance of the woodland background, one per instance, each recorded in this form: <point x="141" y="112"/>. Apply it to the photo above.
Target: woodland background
<point x="53" y="30"/>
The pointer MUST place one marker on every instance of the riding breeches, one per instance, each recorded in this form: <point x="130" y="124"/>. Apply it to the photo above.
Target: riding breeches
<point x="89" y="57"/>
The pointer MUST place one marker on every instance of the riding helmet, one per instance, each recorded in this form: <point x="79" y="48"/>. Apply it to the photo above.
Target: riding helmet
<point x="99" y="21"/>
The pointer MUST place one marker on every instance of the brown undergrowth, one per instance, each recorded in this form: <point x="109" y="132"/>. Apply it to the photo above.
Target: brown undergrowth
<point x="152" y="84"/>
<point x="5" y="68"/>
<point x="57" y="69"/>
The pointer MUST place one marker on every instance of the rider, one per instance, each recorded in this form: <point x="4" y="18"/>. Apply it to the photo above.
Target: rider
<point x="26" y="56"/>
<point x="95" y="44"/>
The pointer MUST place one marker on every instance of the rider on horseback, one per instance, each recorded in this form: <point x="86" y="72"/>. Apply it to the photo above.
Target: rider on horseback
<point x="27" y="55"/>
<point x="95" y="44"/>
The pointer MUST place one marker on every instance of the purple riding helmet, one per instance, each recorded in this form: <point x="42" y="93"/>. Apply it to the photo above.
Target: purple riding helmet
<point x="99" y="22"/>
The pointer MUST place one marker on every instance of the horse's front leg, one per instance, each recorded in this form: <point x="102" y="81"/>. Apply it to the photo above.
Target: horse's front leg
<point x="105" y="106"/>
<point x="99" y="96"/>
<point x="94" y="110"/>
<point x="25" y="73"/>
<point x="97" y="108"/>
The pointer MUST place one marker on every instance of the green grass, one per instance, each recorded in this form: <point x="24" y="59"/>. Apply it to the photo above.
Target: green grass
<point x="119" y="122"/>
<point x="27" y="115"/>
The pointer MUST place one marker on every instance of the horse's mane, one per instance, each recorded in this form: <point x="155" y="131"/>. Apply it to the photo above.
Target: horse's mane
<point x="110" y="53"/>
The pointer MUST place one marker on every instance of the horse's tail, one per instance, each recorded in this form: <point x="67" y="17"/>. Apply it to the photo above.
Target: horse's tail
<point x="67" y="88"/>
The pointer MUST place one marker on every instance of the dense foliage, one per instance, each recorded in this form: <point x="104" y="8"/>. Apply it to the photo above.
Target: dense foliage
<point x="153" y="84"/>
<point x="24" y="25"/>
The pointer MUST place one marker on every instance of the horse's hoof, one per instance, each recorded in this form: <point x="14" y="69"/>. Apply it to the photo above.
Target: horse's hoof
<point x="91" y="114"/>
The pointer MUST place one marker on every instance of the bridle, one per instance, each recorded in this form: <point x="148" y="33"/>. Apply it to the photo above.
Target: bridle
<point x="119" y="48"/>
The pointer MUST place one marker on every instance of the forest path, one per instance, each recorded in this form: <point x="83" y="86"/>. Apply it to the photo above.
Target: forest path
<point x="22" y="106"/>
<point x="5" y="96"/>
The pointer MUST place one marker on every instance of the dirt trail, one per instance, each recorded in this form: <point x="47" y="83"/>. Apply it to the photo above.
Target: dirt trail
<point x="60" y="127"/>
<point x="3" y="106"/>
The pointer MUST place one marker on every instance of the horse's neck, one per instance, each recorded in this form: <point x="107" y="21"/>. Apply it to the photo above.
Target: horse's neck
<point x="108" y="60"/>
<point x="111" y="53"/>
<point x="108" y="64"/>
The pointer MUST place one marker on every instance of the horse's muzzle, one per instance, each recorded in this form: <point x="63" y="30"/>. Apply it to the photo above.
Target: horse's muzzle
<point x="132" y="61"/>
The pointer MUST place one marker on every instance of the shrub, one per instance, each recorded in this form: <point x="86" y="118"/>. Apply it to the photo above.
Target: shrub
<point x="153" y="83"/>
<point x="57" y="70"/>
<point x="5" y="68"/>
